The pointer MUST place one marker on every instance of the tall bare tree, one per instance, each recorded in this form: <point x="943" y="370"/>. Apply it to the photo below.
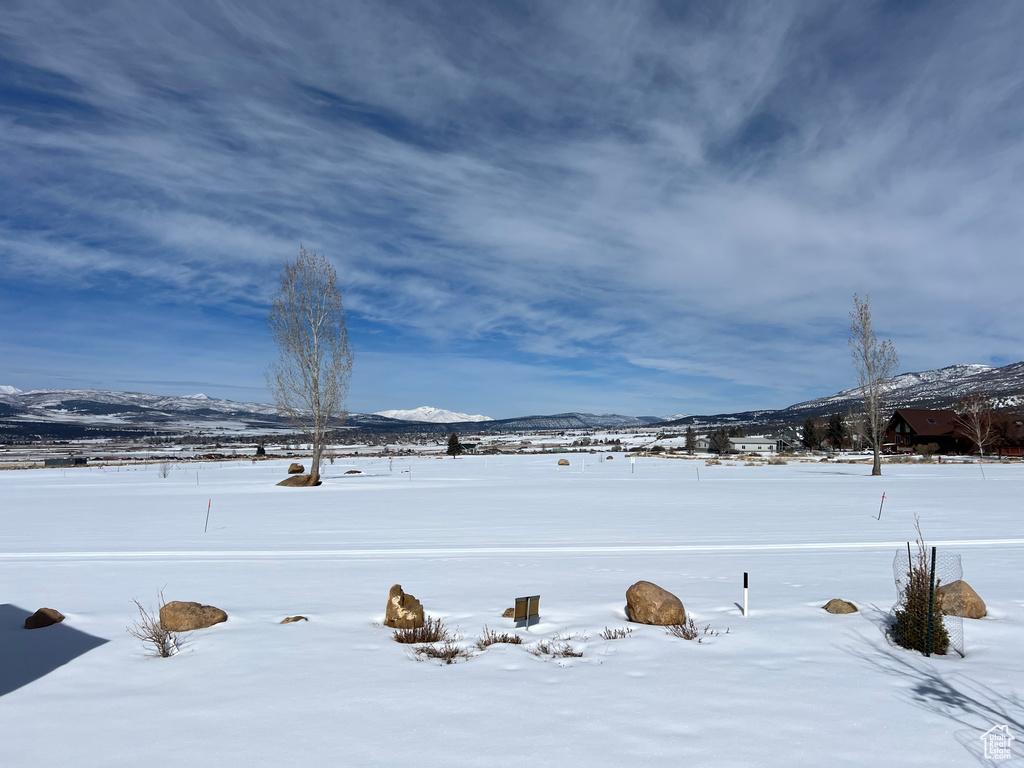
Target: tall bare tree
<point x="975" y="417"/>
<point x="875" y="361"/>
<point x="309" y="382"/>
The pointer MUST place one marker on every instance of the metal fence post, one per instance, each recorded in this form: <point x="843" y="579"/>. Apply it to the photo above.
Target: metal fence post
<point x="931" y="607"/>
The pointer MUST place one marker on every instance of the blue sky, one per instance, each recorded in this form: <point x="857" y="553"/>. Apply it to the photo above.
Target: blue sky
<point x="642" y="208"/>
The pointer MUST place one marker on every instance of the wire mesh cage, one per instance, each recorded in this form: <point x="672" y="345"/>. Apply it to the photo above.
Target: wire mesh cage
<point x="917" y="599"/>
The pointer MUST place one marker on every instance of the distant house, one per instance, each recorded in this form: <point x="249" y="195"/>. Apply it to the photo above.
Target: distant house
<point x="72" y="461"/>
<point x="753" y="444"/>
<point x="912" y="427"/>
<point x="1010" y="436"/>
<point x="741" y="444"/>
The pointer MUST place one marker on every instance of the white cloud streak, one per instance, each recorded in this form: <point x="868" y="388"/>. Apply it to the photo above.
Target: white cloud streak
<point x="697" y="194"/>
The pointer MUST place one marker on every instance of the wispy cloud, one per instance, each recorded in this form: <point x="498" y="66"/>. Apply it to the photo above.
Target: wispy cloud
<point x="678" y="195"/>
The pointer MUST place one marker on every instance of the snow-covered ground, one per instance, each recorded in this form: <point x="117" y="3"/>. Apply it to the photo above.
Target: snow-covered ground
<point x="788" y="685"/>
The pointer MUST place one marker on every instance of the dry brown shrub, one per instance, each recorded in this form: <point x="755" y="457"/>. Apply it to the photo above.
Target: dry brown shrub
<point x="490" y="637"/>
<point x="432" y="631"/>
<point x="689" y="631"/>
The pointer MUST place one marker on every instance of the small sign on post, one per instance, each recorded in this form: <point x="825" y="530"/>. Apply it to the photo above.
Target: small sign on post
<point x="527" y="611"/>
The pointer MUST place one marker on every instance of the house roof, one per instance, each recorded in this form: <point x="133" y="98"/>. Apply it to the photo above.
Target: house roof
<point x="928" y="423"/>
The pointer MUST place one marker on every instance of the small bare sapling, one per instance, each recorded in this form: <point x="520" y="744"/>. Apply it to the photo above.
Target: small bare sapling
<point x="616" y="634"/>
<point x="147" y="629"/>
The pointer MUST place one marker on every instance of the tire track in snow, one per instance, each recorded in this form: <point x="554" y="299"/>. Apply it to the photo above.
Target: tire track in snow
<point x="342" y="554"/>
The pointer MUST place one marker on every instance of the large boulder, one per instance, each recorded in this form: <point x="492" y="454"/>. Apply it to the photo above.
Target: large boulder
<point x="44" y="617"/>
<point x="300" y="481"/>
<point x="563" y="462"/>
<point x="647" y="603"/>
<point x="295" y="468"/>
<point x="178" y="616"/>
<point x="958" y="599"/>
<point x="835" y="605"/>
<point x="403" y="611"/>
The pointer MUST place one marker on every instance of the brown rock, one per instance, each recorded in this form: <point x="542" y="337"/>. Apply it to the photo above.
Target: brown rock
<point x="835" y="605"/>
<point x="563" y="462"/>
<point x="647" y="603"/>
<point x="177" y="616"/>
<point x="290" y="619"/>
<point x="296" y="469"/>
<point x="300" y="481"/>
<point x="958" y="599"/>
<point x="510" y="613"/>
<point x="403" y="611"/>
<point x="44" y="617"/>
<point x="353" y="472"/>
<point x="608" y="458"/>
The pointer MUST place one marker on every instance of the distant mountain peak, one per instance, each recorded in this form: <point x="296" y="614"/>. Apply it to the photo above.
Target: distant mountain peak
<point x="433" y="415"/>
<point x="6" y="389"/>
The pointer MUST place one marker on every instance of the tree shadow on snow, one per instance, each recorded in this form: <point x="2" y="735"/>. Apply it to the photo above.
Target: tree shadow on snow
<point x="975" y="706"/>
<point x="28" y="654"/>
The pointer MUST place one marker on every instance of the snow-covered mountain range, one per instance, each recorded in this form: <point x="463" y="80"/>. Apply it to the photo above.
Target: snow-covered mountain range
<point x="432" y="415"/>
<point x="940" y="388"/>
<point x="928" y="389"/>
<point x="91" y="412"/>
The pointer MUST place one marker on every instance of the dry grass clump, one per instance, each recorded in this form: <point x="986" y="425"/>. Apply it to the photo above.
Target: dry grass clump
<point x="432" y="631"/>
<point x="490" y="637"/>
<point x="689" y="631"/>
<point x="447" y="651"/>
<point x="777" y="461"/>
<point x="616" y="634"/>
<point x="148" y="630"/>
<point x="711" y="462"/>
<point x="558" y="647"/>
<point x="433" y="641"/>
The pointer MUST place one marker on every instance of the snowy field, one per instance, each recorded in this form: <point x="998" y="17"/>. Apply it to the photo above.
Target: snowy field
<point x="788" y="685"/>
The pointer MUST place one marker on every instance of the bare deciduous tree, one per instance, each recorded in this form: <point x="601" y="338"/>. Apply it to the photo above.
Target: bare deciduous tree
<point x="975" y="417"/>
<point x="875" y="361"/>
<point x="309" y="382"/>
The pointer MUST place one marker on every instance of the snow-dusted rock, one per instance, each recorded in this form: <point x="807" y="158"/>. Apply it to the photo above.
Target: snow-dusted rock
<point x="300" y="481"/>
<point x="295" y="468"/>
<point x="835" y="605"/>
<point x="647" y="603"/>
<point x="958" y="599"/>
<point x="178" y="616"/>
<point x="44" y="617"/>
<point x="403" y="611"/>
